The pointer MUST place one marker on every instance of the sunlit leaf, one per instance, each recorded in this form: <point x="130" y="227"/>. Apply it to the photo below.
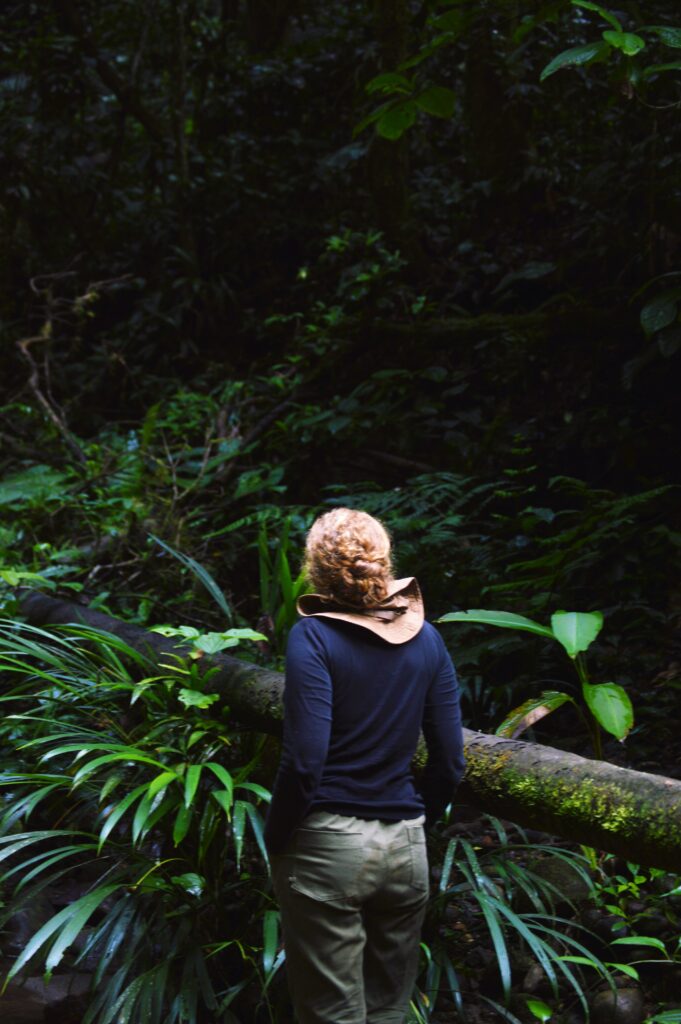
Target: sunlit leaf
<point x="196" y="699"/>
<point x="641" y="940"/>
<point x="628" y="42"/>
<point x="539" y="1009"/>
<point x="630" y="972"/>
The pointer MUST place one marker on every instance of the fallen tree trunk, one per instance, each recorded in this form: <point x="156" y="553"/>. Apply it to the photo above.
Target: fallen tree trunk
<point x="634" y="814"/>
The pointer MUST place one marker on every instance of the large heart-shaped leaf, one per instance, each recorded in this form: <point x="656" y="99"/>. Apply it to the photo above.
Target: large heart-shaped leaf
<point x="611" y="707"/>
<point x="576" y="630"/>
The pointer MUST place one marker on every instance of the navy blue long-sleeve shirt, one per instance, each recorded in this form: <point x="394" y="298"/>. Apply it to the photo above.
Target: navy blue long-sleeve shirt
<point x="353" y="708"/>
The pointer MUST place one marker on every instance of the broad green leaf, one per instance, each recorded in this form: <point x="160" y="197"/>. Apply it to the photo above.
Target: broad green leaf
<point x="539" y="1009"/>
<point x="37" y="484"/>
<point x="631" y="972"/>
<point x="16" y="577"/>
<point x="238" y="829"/>
<point x="608" y="16"/>
<point x="188" y="632"/>
<point x="498" y="940"/>
<point x="583" y="960"/>
<point x="447" y="864"/>
<point x="576" y="631"/>
<point x="196" y="699"/>
<point x="628" y="42"/>
<point x="140" y="822"/>
<point x="161" y="782"/>
<point x="389" y="82"/>
<point x="244" y="634"/>
<point x="191" y="782"/>
<point x="656" y="69"/>
<point x="396" y="120"/>
<point x="222" y="774"/>
<point x="258" y="826"/>
<point x="506" y="620"/>
<point x="531" y="711"/>
<point x="191" y="882"/>
<point x="576" y="57"/>
<point x="211" y="643"/>
<point x="437" y="100"/>
<point x="183" y="820"/>
<point x="270" y="934"/>
<point x="224" y="799"/>
<point x="259" y="790"/>
<point x="669" y="35"/>
<point x="641" y="940"/>
<point x="100" y="762"/>
<point x="611" y="707"/>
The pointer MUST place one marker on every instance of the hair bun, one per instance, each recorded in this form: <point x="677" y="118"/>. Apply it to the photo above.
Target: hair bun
<point x="347" y="557"/>
<point x="361" y="568"/>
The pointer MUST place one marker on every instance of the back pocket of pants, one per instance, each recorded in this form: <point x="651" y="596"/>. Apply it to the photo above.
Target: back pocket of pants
<point x="326" y="865"/>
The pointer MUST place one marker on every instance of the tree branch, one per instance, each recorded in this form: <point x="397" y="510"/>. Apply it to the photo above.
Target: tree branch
<point x="634" y="814"/>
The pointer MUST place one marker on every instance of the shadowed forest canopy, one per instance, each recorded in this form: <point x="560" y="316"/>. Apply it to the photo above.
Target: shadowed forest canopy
<point x="261" y="257"/>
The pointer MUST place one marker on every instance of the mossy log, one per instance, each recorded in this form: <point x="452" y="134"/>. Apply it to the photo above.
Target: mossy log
<point x="634" y="814"/>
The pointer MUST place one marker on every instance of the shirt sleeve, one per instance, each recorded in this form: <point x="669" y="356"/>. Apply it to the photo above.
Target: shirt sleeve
<point x="308" y="705"/>
<point x="444" y="739"/>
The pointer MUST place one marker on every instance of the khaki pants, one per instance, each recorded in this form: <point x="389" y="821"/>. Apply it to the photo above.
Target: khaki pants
<point x="352" y="895"/>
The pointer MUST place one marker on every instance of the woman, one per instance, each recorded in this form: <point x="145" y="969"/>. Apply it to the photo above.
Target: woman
<point x="364" y="674"/>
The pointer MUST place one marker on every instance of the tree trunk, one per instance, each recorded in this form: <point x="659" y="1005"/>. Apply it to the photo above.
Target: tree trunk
<point x="634" y="814"/>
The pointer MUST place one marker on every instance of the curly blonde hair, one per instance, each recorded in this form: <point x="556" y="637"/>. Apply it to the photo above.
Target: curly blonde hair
<point x="347" y="557"/>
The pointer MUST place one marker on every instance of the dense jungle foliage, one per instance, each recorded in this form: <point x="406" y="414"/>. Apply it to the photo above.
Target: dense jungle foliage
<point x="262" y="257"/>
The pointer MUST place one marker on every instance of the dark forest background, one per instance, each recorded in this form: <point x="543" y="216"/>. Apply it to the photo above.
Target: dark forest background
<point x="264" y="257"/>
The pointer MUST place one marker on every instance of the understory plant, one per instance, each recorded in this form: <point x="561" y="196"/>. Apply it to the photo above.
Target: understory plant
<point x="514" y="893"/>
<point x="605" y="705"/>
<point x="133" y="786"/>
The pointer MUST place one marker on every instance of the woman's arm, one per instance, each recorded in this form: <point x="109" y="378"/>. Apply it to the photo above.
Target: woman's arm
<point x="308" y="699"/>
<point x="444" y="739"/>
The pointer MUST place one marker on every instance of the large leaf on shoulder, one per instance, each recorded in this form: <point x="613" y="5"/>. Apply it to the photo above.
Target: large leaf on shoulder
<point x="611" y="707"/>
<point x="506" y="620"/>
<point x="533" y="710"/>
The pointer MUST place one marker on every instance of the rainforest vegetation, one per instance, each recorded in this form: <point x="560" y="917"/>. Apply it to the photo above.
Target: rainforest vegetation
<point x="263" y="257"/>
